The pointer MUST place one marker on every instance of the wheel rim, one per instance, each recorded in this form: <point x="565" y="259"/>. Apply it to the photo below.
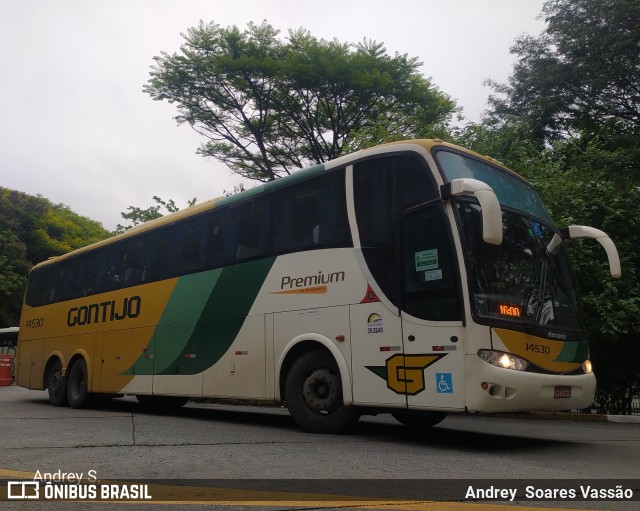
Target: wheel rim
<point x="320" y="391"/>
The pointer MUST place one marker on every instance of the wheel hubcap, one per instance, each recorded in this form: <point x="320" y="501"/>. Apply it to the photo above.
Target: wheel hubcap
<point x="321" y="391"/>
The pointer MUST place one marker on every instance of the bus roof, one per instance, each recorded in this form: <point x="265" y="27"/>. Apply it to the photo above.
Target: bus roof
<point x="297" y="176"/>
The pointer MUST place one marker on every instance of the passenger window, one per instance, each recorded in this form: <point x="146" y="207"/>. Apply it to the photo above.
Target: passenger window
<point x="193" y="246"/>
<point x="247" y="230"/>
<point x="134" y="272"/>
<point x="429" y="282"/>
<point x="312" y="215"/>
<point x="108" y="266"/>
<point x="383" y="188"/>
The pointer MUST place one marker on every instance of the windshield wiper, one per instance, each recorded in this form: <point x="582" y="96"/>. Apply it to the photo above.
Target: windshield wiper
<point x="541" y="292"/>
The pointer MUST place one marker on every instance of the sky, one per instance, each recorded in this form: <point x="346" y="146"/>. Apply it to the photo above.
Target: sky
<point x="76" y="127"/>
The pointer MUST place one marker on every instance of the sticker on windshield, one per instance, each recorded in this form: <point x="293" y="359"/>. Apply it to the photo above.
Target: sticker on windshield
<point x="427" y="260"/>
<point x="536" y="229"/>
<point x="432" y="275"/>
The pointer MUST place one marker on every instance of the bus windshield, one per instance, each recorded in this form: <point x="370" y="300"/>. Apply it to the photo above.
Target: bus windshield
<point x="521" y="280"/>
<point x="512" y="191"/>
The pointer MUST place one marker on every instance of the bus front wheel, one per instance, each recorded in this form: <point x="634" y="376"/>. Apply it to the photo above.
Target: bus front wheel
<point x="77" y="384"/>
<point x="56" y="384"/>
<point x="313" y="392"/>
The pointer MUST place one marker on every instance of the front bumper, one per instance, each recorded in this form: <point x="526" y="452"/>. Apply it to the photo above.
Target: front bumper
<point x="493" y="389"/>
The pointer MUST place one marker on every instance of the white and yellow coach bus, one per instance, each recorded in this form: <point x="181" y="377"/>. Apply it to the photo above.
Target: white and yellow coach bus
<point x="416" y="278"/>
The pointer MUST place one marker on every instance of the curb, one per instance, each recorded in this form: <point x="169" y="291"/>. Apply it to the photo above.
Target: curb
<point x="628" y="419"/>
<point x="569" y="416"/>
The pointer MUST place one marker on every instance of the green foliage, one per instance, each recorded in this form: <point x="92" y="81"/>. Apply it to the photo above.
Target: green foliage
<point x="593" y="189"/>
<point x="136" y="215"/>
<point x="13" y="271"/>
<point x="588" y="181"/>
<point x="581" y="75"/>
<point x="569" y="121"/>
<point x="268" y="106"/>
<point x="33" y="229"/>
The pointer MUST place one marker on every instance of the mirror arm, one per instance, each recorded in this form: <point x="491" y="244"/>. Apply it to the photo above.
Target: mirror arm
<point x="583" y="231"/>
<point x="489" y="204"/>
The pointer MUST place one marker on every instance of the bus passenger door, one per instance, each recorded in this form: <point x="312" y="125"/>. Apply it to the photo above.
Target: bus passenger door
<point x="433" y="364"/>
<point x="431" y="303"/>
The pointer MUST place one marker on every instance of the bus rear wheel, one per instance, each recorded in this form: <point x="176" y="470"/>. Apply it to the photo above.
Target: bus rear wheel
<point x="77" y="385"/>
<point x="419" y="421"/>
<point x="313" y="392"/>
<point x="56" y="384"/>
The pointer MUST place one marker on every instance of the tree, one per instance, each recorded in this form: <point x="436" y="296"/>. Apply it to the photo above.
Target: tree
<point x="581" y="75"/>
<point x="585" y="185"/>
<point x="136" y="215"/>
<point x="13" y="277"/>
<point x="268" y="106"/>
<point x="587" y="182"/>
<point x="571" y="111"/>
<point x="32" y="229"/>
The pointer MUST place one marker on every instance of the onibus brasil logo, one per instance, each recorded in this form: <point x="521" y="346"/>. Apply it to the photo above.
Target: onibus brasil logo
<point x="404" y="374"/>
<point x="70" y="486"/>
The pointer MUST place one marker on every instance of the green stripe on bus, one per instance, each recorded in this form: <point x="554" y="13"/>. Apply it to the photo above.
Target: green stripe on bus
<point x="577" y="351"/>
<point x="180" y="317"/>
<point x="202" y="319"/>
<point x="224" y="314"/>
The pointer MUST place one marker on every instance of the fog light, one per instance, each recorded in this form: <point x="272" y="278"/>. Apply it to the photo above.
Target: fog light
<point x="587" y="368"/>
<point x="504" y="360"/>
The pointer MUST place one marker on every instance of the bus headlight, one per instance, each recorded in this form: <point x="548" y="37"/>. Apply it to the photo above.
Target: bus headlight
<point x="587" y="368"/>
<point x="504" y="360"/>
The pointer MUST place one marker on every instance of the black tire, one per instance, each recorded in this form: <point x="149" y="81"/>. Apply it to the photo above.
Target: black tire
<point x="313" y="392"/>
<point x="419" y="421"/>
<point x="162" y="403"/>
<point x="56" y="384"/>
<point x="77" y="384"/>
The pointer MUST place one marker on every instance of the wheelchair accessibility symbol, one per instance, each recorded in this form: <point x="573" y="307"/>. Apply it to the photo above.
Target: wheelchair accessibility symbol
<point x="444" y="383"/>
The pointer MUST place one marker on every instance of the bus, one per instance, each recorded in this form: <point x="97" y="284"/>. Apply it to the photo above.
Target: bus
<point x="8" y="343"/>
<point x="416" y="278"/>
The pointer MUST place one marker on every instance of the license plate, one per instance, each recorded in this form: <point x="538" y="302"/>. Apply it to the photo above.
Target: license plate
<point x="561" y="392"/>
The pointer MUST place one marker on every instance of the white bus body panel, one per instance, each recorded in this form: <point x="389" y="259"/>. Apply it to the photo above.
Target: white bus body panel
<point x="520" y="391"/>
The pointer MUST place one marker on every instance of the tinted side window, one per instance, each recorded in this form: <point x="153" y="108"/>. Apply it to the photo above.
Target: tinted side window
<point x="108" y="265"/>
<point x="221" y="237"/>
<point x="246" y="234"/>
<point x="219" y="252"/>
<point x="38" y="284"/>
<point x="177" y="249"/>
<point x="135" y="261"/>
<point x="384" y="188"/>
<point x="312" y="215"/>
<point x="430" y="289"/>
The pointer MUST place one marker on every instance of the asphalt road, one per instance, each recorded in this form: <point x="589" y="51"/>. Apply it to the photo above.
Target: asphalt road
<point x="264" y="457"/>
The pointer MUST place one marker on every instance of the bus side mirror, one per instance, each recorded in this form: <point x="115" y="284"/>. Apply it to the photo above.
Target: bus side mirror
<point x="582" y="231"/>
<point x="491" y="212"/>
